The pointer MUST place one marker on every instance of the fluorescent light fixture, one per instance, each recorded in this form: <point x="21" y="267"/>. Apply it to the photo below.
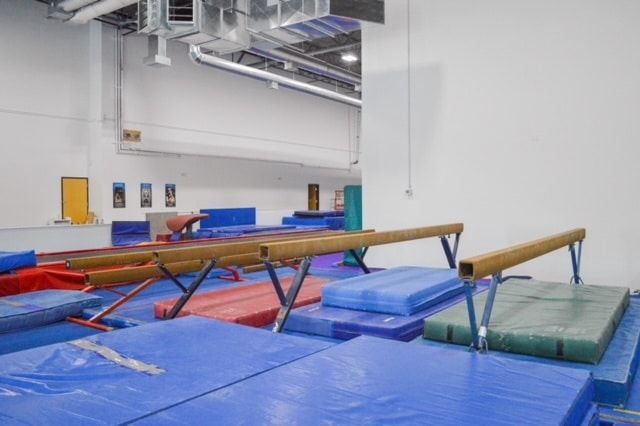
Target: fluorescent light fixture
<point x="349" y="57"/>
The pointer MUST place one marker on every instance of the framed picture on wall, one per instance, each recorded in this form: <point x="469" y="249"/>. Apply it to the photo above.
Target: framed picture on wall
<point x="145" y="195"/>
<point x="119" y="195"/>
<point x="170" y="195"/>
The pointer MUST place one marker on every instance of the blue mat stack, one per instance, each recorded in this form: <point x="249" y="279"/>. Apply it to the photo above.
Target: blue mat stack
<point x="38" y="308"/>
<point x="332" y="219"/>
<point x="194" y="370"/>
<point x="375" y="381"/>
<point x="12" y="260"/>
<point x="390" y="304"/>
<point x="132" y="373"/>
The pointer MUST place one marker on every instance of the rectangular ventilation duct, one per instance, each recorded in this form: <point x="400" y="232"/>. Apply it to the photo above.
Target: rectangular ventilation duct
<point x="226" y="26"/>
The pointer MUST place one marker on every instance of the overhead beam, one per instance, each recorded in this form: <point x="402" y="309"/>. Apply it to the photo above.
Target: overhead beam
<point x="309" y="247"/>
<point x="484" y="265"/>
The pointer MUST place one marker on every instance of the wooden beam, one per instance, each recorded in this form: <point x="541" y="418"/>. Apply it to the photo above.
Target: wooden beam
<point x="491" y="263"/>
<point x="309" y="247"/>
<point x="145" y="256"/>
<point x="141" y="273"/>
<point x="225" y="250"/>
<point x="109" y="260"/>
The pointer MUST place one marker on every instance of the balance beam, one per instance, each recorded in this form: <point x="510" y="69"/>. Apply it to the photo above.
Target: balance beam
<point x="231" y="249"/>
<point x="138" y="255"/>
<point x="495" y="262"/>
<point x="310" y="247"/>
<point x="141" y="273"/>
<point x="481" y="266"/>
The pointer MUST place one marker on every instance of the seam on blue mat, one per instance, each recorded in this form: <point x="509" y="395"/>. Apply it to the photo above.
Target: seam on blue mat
<point x="128" y="422"/>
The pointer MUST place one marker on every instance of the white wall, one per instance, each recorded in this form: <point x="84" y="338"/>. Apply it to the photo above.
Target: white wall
<point x="524" y="123"/>
<point x="190" y="108"/>
<point x="56" y="116"/>
<point x="44" y="111"/>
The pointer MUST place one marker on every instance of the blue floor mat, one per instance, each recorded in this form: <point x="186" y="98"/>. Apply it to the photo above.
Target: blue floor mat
<point x="401" y="291"/>
<point x="615" y="372"/>
<point x="375" y="381"/>
<point x="346" y="324"/>
<point x="38" y="308"/>
<point x="168" y="363"/>
<point x="53" y="333"/>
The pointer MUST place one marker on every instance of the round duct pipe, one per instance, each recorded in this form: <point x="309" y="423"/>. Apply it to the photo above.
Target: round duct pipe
<point x="198" y="57"/>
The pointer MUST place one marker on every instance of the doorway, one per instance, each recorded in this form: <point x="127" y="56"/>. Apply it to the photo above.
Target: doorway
<point x="314" y="196"/>
<point x="75" y="199"/>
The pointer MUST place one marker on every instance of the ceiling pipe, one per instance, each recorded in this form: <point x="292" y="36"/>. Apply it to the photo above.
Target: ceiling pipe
<point x="333" y="49"/>
<point x="73" y="5"/>
<point x="312" y="65"/>
<point x="97" y="9"/>
<point x="200" y="58"/>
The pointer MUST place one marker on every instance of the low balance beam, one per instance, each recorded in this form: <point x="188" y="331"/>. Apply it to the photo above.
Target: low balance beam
<point x="140" y="273"/>
<point x="139" y="255"/>
<point x="495" y="262"/>
<point x="230" y="249"/>
<point x="492" y="263"/>
<point x="310" y="247"/>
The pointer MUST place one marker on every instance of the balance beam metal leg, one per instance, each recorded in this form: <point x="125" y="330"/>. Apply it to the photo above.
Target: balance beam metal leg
<point x="360" y="261"/>
<point x="576" y="259"/>
<point x="136" y="291"/>
<point x="468" y="293"/>
<point x="496" y="279"/>
<point x="167" y="273"/>
<point x="292" y="295"/>
<point x="447" y="252"/>
<point x="276" y="283"/>
<point x="175" y="310"/>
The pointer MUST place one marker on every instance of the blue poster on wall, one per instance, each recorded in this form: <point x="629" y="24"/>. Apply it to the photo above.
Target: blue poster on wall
<point x="119" y="195"/>
<point x="170" y="195"/>
<point x="145" y="195"/>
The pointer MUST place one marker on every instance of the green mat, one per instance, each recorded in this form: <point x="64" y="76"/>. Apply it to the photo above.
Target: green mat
<point x="552" y="320"/>
<point x="352" y="217"/>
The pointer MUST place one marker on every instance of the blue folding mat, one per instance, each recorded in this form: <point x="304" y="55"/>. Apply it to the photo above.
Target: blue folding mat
<point x="615" y="372"/>
<point x="345" y="324"/>
<point x="37" y="308"/>
<point x="12" y="260"/>
<point x="376" y="381"/>
<point x="124" y="375"/>
<point x="129" y="233"/>
<point x="248" y="229"/>
<point x="332" y="222"/>
<point x="402" y="291"/>
<point x="228" y="217"/>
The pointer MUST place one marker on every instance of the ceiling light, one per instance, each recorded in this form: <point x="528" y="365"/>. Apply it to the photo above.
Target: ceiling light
<point x="349" y="57"/>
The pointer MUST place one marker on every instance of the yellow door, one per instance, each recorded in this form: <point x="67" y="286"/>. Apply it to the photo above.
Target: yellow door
<point x="75" y="199"/>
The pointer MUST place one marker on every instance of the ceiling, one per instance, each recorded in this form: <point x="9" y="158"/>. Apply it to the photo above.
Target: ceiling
<point x="327" y="49"/>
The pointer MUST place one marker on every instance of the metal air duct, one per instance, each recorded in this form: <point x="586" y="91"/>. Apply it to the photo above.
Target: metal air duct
<point x="200" y="58"/>
<point x="99" y="8"/>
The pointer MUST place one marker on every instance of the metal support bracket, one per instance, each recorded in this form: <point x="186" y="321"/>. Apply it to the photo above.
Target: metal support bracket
<point x="576" y="261"/>
<point x="468" y="293"/>
<point x="450" y="254"/>
<point x="292" y="295"/>
<point x="188" y="292"/>
<point x="276" y="282"/>
<point x="480" y="341"/>
<point x="360" y="261"/>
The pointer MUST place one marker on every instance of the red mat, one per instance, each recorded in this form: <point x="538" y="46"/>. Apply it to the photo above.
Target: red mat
<point x="40" y="278"/>
<point x="256" y="305"/>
